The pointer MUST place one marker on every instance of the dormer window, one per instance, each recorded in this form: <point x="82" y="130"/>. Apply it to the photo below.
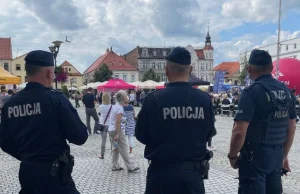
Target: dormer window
<point x="121" y="63"/>
<point x="144" y="52"/>
<point x="165" y="53"/>
<point x="110" y="63"/>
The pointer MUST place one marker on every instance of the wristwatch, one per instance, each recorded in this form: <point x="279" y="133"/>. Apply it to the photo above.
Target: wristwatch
<point x="231" y="158"/>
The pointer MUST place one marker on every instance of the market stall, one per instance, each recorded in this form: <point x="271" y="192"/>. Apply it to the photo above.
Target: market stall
<point x="8" y="78"/>
<point x="149" y="84"/>
<point x="115" y="85"/>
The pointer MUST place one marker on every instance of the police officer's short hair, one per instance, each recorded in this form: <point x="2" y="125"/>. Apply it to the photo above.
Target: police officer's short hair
<point x="90" y="89"/>
<point x="120" y="96"/>
<point x="178" y="68"/>
<point x="261" y="61"/>
<point x="32" y="69"/>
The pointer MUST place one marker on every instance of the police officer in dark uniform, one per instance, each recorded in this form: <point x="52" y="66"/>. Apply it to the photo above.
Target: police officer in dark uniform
<point x="36" y="122"/>
<point x="175" y="124"/>
<point x="264" y="129"/>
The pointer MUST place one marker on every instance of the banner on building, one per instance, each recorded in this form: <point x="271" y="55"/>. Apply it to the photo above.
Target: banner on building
<point x="219" y="81"/>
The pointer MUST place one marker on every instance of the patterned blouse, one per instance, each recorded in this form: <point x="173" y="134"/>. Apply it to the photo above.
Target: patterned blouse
<point x="130" y="123"/>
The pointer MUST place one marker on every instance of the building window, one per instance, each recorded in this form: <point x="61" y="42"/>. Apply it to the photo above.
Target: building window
<point x="206" y="78"/>
<point x="18" y="67"/>
<point x="6" y="66"/>
<point x="154" y="53"/>
<point x="287" y="47"/>
<point x="210" y="55"/>
<point x="125" y="78"/>
<point x="74" y="80"/>
<point x="132" y="78"/>
<point x="69" y="69"/>
<point x="295" y="46"/>
<point x="164" y="53"/>
<point x="117" y="76"/>
<point x="144" y="52"/>
<point x="279" y="48"/>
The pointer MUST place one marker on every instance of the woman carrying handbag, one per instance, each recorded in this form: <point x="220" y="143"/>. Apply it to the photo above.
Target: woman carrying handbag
<point x="104" y="110"/>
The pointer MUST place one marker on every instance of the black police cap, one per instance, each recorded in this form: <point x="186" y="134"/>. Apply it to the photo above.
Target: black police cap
<point x="180" y="56"/>
<point x="260" y="58"/>
<point x="40" y="58"/>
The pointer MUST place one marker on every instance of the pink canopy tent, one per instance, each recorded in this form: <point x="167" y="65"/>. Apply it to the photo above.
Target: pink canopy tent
<point x="115" y="85"/>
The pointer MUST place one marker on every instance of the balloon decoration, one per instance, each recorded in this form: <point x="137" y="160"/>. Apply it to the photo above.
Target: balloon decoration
<point x="289" y="72"/>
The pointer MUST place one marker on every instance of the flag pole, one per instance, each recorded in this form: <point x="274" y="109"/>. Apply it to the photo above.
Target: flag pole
<point x="278" y="40"/>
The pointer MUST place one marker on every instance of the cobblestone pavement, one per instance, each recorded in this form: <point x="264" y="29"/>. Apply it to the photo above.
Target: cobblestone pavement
<point x="93" y="175"/>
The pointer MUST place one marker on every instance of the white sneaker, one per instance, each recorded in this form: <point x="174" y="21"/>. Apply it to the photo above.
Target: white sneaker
<point x="130" y="155"/>
<point x="211" y="148"/>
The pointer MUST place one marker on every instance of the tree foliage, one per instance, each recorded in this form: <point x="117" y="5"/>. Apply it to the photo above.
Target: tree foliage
<point x="102" y="74"/>
<point x="65" y="91"/>
<point x="60" y="75"/>
<point x="150" y="75"/>
<point x="244" y="72"/>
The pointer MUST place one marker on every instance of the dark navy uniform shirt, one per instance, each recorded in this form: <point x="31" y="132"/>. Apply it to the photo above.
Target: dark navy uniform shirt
<point x="254" y="102"/>
<point x="37" y="121"/>
<point x="175" y="123"/>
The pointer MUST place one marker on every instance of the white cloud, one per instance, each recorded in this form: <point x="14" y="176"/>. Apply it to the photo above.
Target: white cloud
<point x="94" y="25"/>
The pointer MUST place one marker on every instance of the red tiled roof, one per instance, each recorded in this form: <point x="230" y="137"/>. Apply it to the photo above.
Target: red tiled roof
<point x="208" y="48"/>
<point x="5" y="49"/>
<point x="200" y="53"/>
<point x="68" y="64"/>
<point x="229" y="67"/>
<point x="113" y="61"/>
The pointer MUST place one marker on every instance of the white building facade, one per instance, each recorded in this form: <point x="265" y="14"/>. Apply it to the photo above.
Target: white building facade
<point x="288" y="49"/>
<point x="127" y="76"/>
<point x="203" y="60"/>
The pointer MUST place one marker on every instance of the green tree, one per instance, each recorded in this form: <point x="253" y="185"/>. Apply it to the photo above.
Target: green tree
<point x="244" y="72"/>
<point x="150" y="75"/>
<point x="65" y="91"/>
<point x="102" y="74"/>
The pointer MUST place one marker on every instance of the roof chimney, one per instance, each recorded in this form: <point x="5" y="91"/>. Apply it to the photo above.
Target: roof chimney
<point x="107" y="50"/>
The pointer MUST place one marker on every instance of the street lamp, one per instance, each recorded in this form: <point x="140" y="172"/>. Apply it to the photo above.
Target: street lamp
<point x="54" y="49"/>
<point x="278" y="40"/>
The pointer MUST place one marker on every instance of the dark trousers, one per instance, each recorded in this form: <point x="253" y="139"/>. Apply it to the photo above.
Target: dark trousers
<point x="168" y="180"/>
<point x="77" y="103"/>
<point x="91" y="112"/>
<point x="35" y="179"/>
<point x="262" y="174"/>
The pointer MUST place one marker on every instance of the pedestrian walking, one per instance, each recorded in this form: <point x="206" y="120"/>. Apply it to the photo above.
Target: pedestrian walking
<point x="77" y="98"/>
<point x="117" y="134"/>
<point x="129" y="126"/>
<point x="104" y="110"/>
<point x="89" y="102"/>
<point x="175" y="124"/>
<point x="264" y="129"/>
<point x="132" y="98"/>
<point x="36" y="122"/>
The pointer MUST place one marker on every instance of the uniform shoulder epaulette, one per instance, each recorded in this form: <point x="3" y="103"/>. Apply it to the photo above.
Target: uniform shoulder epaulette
<point x="55" y="91"/>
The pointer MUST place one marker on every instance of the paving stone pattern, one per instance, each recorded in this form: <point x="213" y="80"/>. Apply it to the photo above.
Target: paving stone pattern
<point x="93" y="175"/>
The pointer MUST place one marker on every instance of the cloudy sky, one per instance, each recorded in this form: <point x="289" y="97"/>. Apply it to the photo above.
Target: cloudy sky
<point x="94" y="25"/>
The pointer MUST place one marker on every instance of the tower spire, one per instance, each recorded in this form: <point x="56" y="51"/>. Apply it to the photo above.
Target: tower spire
<point x="208" y="38"/>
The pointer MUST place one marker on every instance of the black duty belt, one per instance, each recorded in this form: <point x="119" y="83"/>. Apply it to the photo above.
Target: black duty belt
<point x="179" y="165"/>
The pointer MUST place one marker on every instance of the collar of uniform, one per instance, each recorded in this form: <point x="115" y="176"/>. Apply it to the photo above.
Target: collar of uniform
<point x="34" y="85"/>
<point x="265" y="76"/>
<point x="172" y="84"/>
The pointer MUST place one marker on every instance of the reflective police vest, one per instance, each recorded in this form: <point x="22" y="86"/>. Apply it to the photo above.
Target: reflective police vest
<point x="272" y="129"/>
